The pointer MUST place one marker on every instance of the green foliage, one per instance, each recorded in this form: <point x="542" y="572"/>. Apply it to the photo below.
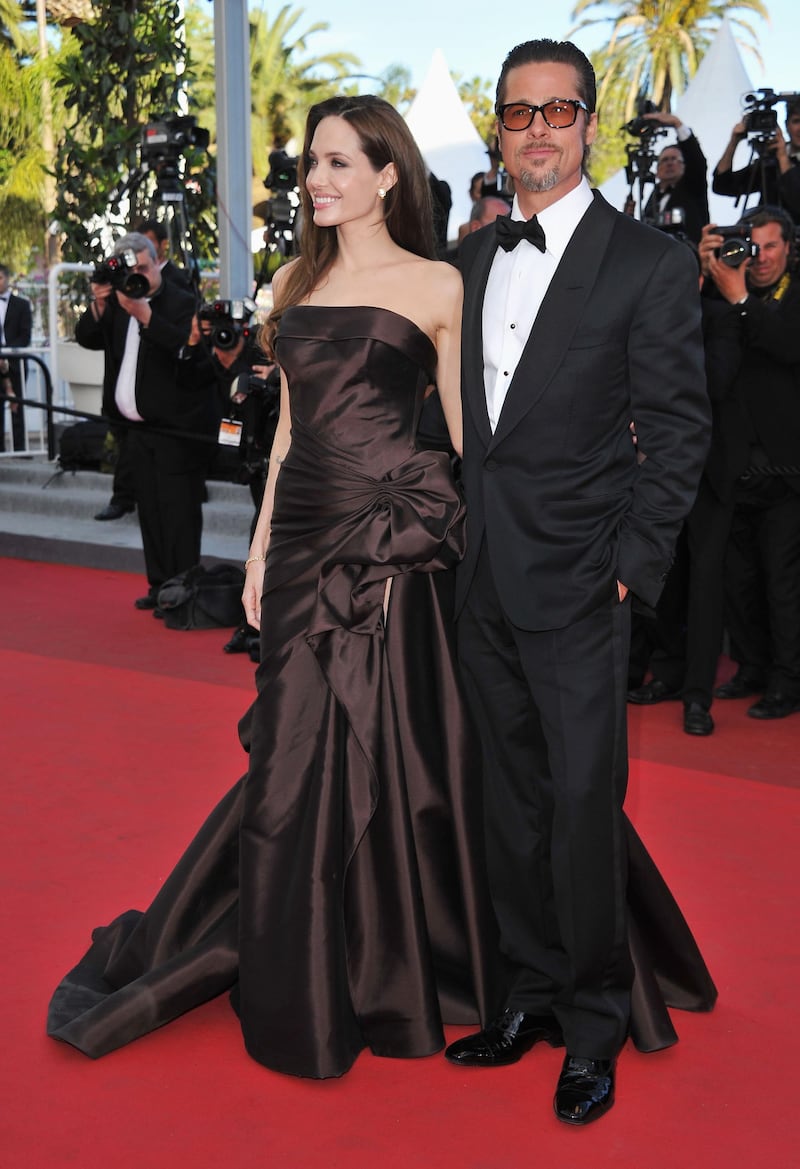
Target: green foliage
<point x="285" y="81"/>
<point x="655" y="48"/>
<point x="477" y="94"/>
<point x="22" y="160"/>
<point x="124" y="69"/>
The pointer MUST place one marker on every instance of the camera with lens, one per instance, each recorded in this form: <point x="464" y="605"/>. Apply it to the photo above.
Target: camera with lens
<point x="164" y="140"/>
<point x="254" y="402"/>
<point x="229" y="321"/>
<point x="118" y="271"/>
<point x="282" y="172"/>
<point x="640" y="126"/>
<point x="737" y="245"/>
<point x="761" y="117"/>
<point x="673" y="220"/>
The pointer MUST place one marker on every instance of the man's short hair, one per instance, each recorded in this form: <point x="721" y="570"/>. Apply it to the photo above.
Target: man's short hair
<point x="792" y="108"/>
<point x="136" y="241"/>
<point x="761" y="216"/>
<point x="4" y="271"/>
<point x="552" y="52"/>
<point x="155" y="226"/>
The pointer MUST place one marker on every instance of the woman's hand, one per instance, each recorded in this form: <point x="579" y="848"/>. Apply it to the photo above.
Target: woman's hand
<point x="251" y="594"/>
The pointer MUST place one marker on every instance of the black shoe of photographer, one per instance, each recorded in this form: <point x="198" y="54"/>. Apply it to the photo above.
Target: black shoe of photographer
<point x="774" y="706"/>
<point x="741" y="685"/>
<point x="696" y="719"/>
<point x="240" y="642"/>
<point x="652" y="692"/>
<point x="113" y="511"/>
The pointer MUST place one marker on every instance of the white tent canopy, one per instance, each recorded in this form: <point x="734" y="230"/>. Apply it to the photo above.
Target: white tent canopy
<point x="711" y="107"/>
<point x="450" y="144"/>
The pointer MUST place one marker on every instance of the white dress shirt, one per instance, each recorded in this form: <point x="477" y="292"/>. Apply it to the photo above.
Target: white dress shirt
<point x="517" y="284"/>
<point x="125" y="390"/>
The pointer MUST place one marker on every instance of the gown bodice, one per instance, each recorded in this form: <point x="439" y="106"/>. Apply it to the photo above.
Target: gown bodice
<point x="357" y="377"/>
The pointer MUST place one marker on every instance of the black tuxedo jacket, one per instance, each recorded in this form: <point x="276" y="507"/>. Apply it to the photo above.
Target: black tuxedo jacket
<point x="690" y="193"/>
<point x="17" y="335"/>
<point x="163" y="397"/>
<point x="556" y="491"/>
<point x="18" y="323"/>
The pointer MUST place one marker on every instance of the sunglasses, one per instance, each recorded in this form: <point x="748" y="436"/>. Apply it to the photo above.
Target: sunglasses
<point x="558" y="115"/>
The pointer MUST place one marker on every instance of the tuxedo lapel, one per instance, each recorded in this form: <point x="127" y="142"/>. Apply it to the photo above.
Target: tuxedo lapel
<point x="474" y="391"/>
<point x="559" y="316"/>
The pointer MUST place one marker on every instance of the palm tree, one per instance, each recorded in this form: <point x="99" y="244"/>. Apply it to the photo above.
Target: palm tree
<point x="284" y="80"/>
<point x="655" y="48"/>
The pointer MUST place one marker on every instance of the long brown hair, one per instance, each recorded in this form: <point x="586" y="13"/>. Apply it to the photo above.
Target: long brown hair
<point x="384" y="137"/>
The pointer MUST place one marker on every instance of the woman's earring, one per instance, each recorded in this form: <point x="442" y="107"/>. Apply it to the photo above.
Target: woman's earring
<point x="381" y="192"/>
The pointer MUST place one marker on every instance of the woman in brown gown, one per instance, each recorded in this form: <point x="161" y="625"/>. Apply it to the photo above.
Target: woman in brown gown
<point x="338" y="890"/>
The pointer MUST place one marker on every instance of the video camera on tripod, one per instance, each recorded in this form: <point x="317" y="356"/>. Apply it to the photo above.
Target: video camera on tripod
<point x="761" y="117"/>
<point x="165" y="140"/>
<point x="641" y="156"/>
<point x="281" y="182"/>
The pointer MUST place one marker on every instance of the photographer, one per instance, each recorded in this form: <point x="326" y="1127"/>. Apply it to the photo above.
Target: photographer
<point x="222" y="353"/>
<point x="246" y="389"/>
<point x="16" y="322"/>
<point x="754" y="307"/>
<point x="772" y="173"/>
<point x="681" y="182"/>
<point x="142" y="323"/>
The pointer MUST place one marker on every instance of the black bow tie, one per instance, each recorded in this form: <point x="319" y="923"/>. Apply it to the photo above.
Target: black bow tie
<point x="511" y="231"/>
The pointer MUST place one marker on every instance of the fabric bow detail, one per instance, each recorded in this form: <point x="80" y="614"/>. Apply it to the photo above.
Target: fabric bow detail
<point x="511" y="231"/>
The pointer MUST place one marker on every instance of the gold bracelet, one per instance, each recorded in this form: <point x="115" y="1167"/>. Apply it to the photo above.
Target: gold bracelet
<point x="253" y="560"/>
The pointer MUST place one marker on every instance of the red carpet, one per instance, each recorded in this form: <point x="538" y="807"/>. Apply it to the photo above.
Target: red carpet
<point x="121" y="734"/>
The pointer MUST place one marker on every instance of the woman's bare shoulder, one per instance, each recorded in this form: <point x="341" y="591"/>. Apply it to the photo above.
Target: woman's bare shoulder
<point x="282" y="273"/>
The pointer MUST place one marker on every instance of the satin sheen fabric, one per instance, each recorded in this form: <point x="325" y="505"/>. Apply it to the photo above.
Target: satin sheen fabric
<point x="338" y="890"/>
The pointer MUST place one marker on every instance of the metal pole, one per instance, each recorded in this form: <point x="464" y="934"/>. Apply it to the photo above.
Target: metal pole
<point x="234" y="167"/>
<point x="52" y="312"/>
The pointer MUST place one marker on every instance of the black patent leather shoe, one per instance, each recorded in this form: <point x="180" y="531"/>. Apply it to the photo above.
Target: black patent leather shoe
<point x="113" y="511"/>
<point x="585" y="1089"/>
<point x="652" y="692"/>
<point x="740" y="686"/>
<point x="505" y="1040"/>
<point x="774" y="706"/>
<point x="697" y="720"/>
<point x="150" y="601"/>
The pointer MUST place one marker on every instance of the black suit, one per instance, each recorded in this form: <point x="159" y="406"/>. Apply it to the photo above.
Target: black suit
<point x="123" y="493"/>
<point x="761" y="426"/>
<point x="16" y="335"/>
<point x="764" y="179"/>
<point x="558" y="510"/>
<point x="690" y="193"/>
<point x="168" y="470"/>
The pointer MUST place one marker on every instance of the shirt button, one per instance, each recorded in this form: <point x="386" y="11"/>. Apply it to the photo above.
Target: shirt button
<point x="505" y="373"/>
<point x="513" y="326"/>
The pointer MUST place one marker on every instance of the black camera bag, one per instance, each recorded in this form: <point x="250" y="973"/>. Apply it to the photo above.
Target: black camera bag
<point x="203" y="598"/>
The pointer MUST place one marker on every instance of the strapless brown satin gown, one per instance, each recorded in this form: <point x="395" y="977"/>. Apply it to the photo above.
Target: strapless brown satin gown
<point x="338" y="889"/>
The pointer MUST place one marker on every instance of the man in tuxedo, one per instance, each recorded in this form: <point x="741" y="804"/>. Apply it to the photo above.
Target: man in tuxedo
<point x="16" y="321"/>
<point x="577" y="320"/>
<point x="144" y="340"/>
<point x="681" y="182"/>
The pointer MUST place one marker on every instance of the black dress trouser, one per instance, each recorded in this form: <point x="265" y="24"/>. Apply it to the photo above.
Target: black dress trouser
<point x="551" y="713"/>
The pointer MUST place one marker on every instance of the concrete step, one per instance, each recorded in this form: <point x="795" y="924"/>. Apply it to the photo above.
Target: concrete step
<point x="46" y="514"/>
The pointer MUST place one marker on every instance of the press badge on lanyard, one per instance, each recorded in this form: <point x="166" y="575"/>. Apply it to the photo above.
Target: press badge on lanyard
<point x="230" y="432"/>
